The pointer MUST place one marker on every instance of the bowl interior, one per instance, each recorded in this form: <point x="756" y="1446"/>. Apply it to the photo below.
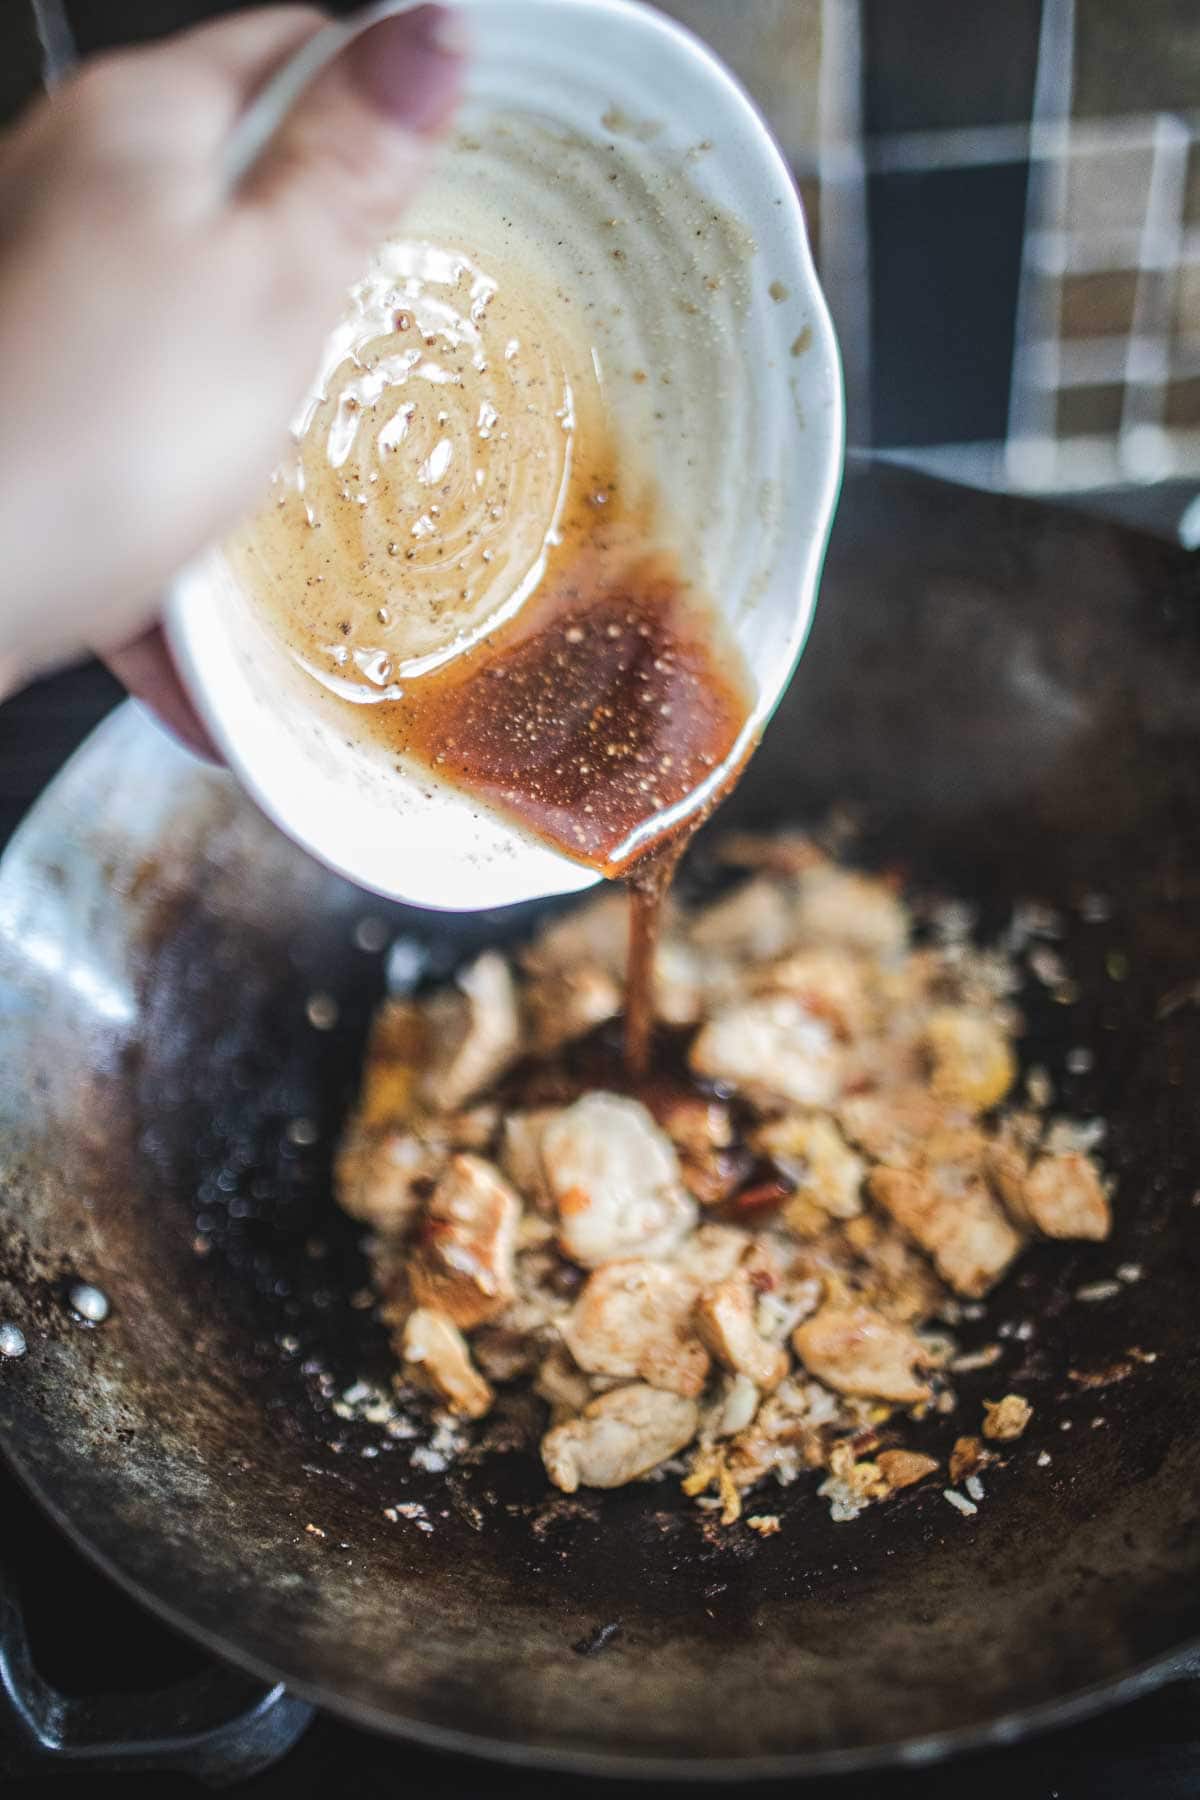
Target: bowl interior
<point x="648" y="191"/>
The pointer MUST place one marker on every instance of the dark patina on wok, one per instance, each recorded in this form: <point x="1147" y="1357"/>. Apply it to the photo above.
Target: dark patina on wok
<point x="1012" y="695"/>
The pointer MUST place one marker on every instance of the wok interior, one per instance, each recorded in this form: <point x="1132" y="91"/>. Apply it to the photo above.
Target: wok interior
<point x="1011" y="696"/>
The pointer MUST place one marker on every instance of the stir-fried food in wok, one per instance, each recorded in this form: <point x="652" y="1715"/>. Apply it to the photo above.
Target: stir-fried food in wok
<point x="741" y="1267"/>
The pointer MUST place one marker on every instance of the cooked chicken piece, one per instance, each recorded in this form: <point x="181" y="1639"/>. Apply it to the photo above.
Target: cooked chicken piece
<point x="383" y="1177"/>
<point x="594" y="934"/>
<point x="810" y="1150"/>
<point x="751" y="924"/>
<point x="684" y="982"/>
<point x="395" y="1055"/>
<point x="886" y="1068"/>
<point x="777" y="853"/>
<point x="521" y="1155"/>
<point x="618" y="1437"/>
<point x="1060" y="1196"/>
<point x="1006" y="1163"/>
<point x="967" y="1458"/>
<point x="474" y="1033"/>
<point x="463" y="1261"/>
<point x="725" y="1318"/>
<point x="732" y="1408"/>
<point x="829" y="984"/>
<point x="1010" y="1151"/>
<point x="562" y="1385"/>
<point x="837" y="906"/>
<point x="688" y="983"/>
<point x="565" y="1004"/>
<point x="897" y="1280"/>
<point x="972" y="1063"/>
<point x="769" y="1046"/>
<point x="903" y="1468"/>
<point x="955" y="1221"/>
<point x="436" y="1352"/>
<point x="1006" y="1419"/>
<point x="711" y="1253"/>
<point x="858" y="1351"/>
<point x="1065" y="1198"/>
<point x="892" y="1127"/>
<point x="615" y="1180"/>
<point x="634" y="1319"/>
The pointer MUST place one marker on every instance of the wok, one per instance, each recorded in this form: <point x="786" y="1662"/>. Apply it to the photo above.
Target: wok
<point x="1010" y="696"/>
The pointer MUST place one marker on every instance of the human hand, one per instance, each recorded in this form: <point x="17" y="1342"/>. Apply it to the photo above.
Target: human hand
<point x="156" y="329"/>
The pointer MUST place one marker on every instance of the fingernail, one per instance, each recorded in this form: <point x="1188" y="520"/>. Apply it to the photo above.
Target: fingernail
<point x="410" y="66"/>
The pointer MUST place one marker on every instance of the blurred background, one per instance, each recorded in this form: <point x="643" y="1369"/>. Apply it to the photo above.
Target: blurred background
<point x="1005" y="202"/>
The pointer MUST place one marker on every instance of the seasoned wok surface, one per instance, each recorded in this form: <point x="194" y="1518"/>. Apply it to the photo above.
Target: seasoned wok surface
<point x="1010" y="695"/>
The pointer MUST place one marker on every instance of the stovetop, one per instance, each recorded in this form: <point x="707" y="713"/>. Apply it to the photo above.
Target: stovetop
<point x="87" y="1638"/>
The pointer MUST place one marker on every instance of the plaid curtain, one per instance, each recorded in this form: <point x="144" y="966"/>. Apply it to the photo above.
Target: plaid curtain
<point x="1005" y="202"/>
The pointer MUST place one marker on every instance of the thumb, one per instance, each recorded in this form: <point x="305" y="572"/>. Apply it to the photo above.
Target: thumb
<point x="354" y="145"/>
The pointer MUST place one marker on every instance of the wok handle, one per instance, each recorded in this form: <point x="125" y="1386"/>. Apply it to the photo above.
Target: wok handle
<point x="219" y="1727"/>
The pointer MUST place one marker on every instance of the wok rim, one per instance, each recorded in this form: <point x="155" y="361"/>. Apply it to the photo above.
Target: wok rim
<point x="1004" y="1731"/>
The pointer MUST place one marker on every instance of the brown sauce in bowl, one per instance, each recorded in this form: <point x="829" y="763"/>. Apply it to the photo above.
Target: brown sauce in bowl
<point x="601" y="710"/>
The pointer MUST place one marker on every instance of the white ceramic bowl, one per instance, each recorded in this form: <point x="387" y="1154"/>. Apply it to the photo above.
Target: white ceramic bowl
<point x="747" y="442"/>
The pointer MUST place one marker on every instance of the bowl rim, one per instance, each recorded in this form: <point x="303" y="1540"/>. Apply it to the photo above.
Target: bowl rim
<point x="186" y="614"/>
